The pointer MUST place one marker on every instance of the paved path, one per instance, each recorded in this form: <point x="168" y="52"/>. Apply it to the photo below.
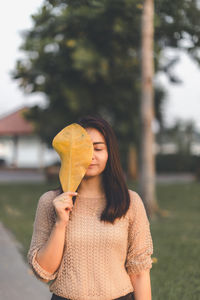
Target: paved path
<point x="21" y="176"/>
<point x="34" y="176"/>
<point x="16" y="279"/>
<point x="175" y="178"/>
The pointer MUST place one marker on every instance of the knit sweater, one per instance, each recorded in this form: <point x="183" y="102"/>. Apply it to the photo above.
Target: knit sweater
<point x="98" y="257"/>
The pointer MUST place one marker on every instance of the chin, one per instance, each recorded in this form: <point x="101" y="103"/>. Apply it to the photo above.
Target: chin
<point x="90" y="174"/>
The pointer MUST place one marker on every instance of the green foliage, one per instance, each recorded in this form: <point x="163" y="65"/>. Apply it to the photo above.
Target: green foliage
<point x="178" y="163"/>
<point x="182" y="134"/>
<point x="177" y="25"/>
<point x="85" y="57"/>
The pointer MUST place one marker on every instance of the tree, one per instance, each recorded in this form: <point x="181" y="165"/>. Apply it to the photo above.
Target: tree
<point x="147" y="161"/>
<point x="85" y="57"/>
<point x="182" y="134"/>
<point x="177" y="25"/>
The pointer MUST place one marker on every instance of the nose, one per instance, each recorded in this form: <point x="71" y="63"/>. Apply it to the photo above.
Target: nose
<point x="93" y="156"/>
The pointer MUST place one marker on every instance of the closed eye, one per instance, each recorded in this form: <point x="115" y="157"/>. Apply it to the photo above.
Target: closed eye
<point x="98" y="149"/>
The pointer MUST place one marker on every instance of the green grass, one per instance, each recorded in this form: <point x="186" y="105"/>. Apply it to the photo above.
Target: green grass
<point x="176" y="238"/>
<point x="18" y="204"/>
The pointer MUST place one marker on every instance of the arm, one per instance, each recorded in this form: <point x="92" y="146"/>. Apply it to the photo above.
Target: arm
<point x="49" y="256"/>
<point x="47" y="244"/>
<point x="141" y="285"/>
<point x="140" y="248"/>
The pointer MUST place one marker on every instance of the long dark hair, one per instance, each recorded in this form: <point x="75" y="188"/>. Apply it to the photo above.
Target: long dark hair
<point x="116" y="190"/>
<point x="115" y="187"/>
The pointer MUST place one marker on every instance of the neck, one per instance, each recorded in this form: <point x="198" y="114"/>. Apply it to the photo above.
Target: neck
<point x="91" y="186"/>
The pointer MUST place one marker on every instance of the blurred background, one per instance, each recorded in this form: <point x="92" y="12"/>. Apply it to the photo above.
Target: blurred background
<point x="64" y="59"/>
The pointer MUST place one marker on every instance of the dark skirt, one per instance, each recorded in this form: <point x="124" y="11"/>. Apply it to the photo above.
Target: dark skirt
<point x="129" y="296"/>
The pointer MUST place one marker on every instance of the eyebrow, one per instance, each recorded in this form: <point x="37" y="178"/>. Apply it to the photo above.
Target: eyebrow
<point x="96" y="143"/>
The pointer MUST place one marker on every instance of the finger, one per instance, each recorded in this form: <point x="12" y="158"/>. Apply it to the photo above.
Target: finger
<point x="64" y="200"/>
<point x="70" y="193"/>
<point x="65" y="204"/>
<point x="69" y="208"/>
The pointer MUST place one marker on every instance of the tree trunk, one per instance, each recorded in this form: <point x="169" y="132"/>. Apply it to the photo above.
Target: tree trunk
<point x="147" y="160"/>
<point x="132" y="162"/>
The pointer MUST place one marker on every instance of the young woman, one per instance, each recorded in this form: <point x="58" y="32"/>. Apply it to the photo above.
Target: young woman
<point x="95" y="243"/>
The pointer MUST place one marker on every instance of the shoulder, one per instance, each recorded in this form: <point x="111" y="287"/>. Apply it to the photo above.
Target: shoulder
<point x="135" y="198"/>
<point x="132" y="193"/>
<point x="137" y="208"/>
<point x="46" y="198"/>
<point x="45" y="208"/>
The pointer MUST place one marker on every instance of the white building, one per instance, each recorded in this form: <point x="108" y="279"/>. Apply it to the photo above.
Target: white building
<point x="20" y="146"/>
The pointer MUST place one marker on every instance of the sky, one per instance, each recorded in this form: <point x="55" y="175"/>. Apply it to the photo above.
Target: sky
<point x="182" y="102"/>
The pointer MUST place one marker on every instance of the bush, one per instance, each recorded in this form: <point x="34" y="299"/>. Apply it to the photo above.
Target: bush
<point x="178" y="163"/>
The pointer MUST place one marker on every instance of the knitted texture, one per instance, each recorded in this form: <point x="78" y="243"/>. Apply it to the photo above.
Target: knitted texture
<point x="98" y="257"/>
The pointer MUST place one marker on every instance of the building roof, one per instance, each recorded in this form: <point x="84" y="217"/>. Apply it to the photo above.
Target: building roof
<point x="15" y="124"/>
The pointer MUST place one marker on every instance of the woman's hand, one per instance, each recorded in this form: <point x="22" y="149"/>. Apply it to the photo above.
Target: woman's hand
<point x="50" y="255"/>
<point x="63" y="205"/>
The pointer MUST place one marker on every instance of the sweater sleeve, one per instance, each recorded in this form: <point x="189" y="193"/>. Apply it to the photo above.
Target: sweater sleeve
<point x="140" y="245"/>
<point x="41" y="231"/>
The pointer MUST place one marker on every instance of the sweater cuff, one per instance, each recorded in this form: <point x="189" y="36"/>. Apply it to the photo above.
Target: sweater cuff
<point x="139" y="266"/>
<point x="40" y="272"/>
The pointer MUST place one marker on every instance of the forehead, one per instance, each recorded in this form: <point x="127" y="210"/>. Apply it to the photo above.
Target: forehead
<point x="96" y="136"/>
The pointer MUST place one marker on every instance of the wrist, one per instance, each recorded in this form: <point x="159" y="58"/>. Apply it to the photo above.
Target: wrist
<point x="61" y="224"/>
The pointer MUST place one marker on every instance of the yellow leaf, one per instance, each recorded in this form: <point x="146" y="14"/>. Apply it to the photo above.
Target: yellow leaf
<point x="154" y="260"/>
<point x="75" y="148"/>
<point x="139" y="6"/>
<point x="70" y="43"/>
